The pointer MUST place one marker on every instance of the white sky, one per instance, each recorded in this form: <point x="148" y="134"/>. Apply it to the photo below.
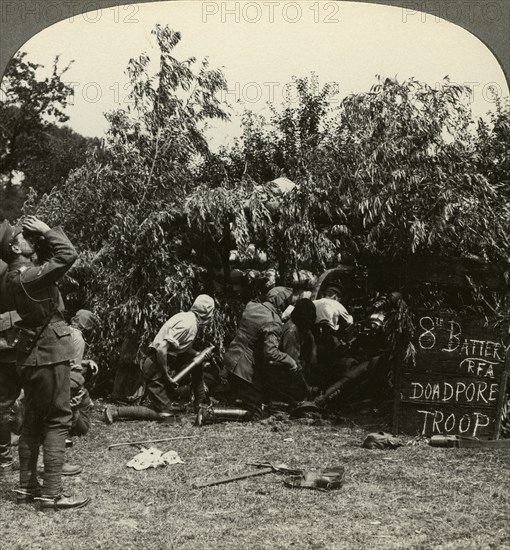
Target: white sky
<point x="260" y="46"/>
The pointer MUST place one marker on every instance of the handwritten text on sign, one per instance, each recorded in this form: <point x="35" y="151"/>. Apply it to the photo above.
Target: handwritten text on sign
<point x="479" y="357"/>
<point x="454" y="384"/>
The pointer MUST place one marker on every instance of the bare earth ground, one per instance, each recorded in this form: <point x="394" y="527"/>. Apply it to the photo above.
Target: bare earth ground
<point x="414" y="497"/>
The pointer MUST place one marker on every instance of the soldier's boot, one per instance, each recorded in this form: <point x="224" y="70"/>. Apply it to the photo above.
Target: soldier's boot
<point x="113" y="413"/>
<point x="207" y="414"/>
<point x="61" y="502"/>
<point x="26" y="495"/>
<point x="71" y="469"/>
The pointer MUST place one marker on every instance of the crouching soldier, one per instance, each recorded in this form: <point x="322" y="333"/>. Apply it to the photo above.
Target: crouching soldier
<point x="169" y="352"/>
<point x="255" y="350"/>
<point x="43" y="355"/>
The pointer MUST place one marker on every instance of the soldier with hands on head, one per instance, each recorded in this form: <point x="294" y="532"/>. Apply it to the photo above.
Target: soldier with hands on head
<point x="43" y="355"/>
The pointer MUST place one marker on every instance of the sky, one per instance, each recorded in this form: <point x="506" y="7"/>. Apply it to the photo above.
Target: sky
<point x="260" y="46"/>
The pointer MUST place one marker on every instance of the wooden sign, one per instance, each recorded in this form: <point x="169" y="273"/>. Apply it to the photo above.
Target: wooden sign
<point x="456" y="382"/>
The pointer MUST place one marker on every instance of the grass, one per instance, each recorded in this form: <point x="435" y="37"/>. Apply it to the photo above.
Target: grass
<point x="414" y="497"/>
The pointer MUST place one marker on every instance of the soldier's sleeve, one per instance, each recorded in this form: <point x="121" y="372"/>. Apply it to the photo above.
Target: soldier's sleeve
<point x="344" y="319"/>
<point x="181" y="335"/>
<point x="289" y="344"/>
<point x="63" y="257"/>
<point x="271" y="333"/>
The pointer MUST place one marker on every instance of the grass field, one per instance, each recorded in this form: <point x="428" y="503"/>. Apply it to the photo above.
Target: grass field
<point x="413" y="497"/>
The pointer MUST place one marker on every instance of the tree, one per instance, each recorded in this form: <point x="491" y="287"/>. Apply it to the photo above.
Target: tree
<point x="396" y="173"/>
<point x="285" y="144"/>
<point x="493" y="152"/>
<point x="404" y="157"/>
<point x="52" y="155"/>
<point x="124" y="207"/>
<point x="34" y="152"/>
<point x="392" y="174"/>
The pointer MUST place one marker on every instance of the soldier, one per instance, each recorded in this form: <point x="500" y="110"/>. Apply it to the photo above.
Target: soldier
<point x="170" y="351"/>
<point x="174" y="344"/>
<point x="43" y="354"/>
<point x="297" y="341"/>
<point x="254" y="349"/>
<point x="82" y="372"/>
<point x="364" y="368"/>
<point x="10" y="383"/>
<point x="332" y="329"/>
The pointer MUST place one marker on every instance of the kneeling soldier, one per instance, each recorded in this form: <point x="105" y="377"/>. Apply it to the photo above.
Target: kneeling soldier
<point x="170" y="351"/>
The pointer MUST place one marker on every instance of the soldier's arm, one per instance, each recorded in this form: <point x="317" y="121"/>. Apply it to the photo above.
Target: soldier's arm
<point x="63" y="257"/>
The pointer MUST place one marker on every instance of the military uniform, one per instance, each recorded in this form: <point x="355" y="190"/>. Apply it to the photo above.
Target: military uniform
<point x="45" y="369"/>
<point x="10" y="383"/>
<point x="177" y="335"/>
<point x="255" y="349"/>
